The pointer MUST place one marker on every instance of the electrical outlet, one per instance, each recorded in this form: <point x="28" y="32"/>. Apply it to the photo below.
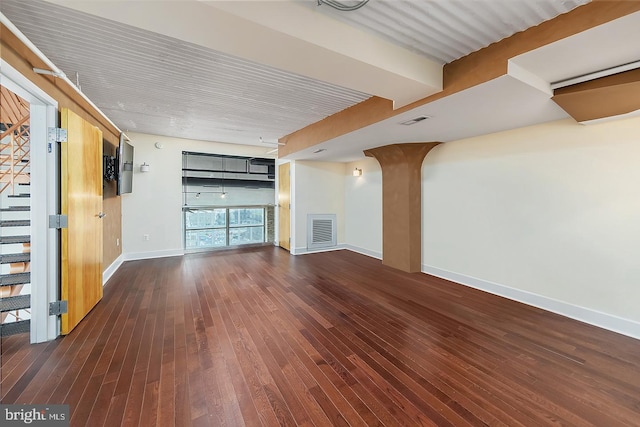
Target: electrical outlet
<point x="145" y="236"/>
<point x="117" y="241"/>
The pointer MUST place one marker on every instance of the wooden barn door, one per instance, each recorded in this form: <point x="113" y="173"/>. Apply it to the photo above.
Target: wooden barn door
<point x="81" y="201"/>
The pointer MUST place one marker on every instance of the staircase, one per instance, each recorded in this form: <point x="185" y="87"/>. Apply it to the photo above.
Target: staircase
<point x="15" y="223"/>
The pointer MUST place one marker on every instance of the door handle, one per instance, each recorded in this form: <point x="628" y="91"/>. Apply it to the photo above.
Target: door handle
<point x="102" y="215"/>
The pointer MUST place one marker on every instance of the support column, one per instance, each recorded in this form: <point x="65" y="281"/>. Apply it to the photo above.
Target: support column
<point x="402" y="203"/>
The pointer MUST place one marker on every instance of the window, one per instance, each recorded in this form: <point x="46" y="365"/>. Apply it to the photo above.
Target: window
<point x="205" y="228"/>
<point x="221" y="227"/>
<point x="227" y="200"/>
<point x="206" y="218"/>
<point x="246" y="225"/>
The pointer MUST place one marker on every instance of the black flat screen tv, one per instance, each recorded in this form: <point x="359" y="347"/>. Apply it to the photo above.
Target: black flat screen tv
<point x="125" y="166"/>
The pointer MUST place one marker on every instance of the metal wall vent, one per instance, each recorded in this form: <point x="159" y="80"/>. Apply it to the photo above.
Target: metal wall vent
<point x="321" y="231"/>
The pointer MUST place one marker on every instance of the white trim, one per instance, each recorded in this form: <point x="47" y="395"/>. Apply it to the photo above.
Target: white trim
<point x="304" y="251"/>
<point x="593" y="317"/>
<point x="44" y="193"/>
<point x="24" y="87"/>
<point x="610" y="322"/>
<point x="152" y="254"/>
<point x="106" y="275"/>
<point x="53" y="249"/>
<point x="363" y="251"/>
<point x="40" y="291"/>
<point x="596" y="75"/>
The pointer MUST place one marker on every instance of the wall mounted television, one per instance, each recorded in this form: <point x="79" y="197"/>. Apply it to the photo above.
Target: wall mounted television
<point x="125" y="166"/>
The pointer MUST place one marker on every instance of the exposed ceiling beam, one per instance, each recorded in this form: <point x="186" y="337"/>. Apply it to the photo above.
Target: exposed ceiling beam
<point x="287" y="36"/>
<point x="474" y="69"/>
<point x="338" y="53"/>
<point x="610" y="96"/>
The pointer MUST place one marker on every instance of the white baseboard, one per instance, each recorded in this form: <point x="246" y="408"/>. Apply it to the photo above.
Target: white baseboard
<point x="106" y="275"/>
<point x="593" y="317"/>
<point x="363" y="251"/>
<point x="304" y="251"/>
<point x="132" y="256"/>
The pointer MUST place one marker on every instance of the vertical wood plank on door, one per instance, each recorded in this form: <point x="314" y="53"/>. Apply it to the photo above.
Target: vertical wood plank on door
<point x="81" y="201"/>
<point x="284" y="204"/>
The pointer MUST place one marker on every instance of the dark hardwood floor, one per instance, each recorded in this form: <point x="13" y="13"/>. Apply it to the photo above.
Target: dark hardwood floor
<point x="258" y="337"/>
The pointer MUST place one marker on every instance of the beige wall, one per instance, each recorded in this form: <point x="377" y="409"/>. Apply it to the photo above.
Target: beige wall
<point x="318" y="189"/>
<point x="363" y="207"/>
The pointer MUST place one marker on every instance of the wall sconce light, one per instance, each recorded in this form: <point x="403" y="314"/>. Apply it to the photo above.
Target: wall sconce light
<point x="144" y="167"/>
<point x="357" y="172"/>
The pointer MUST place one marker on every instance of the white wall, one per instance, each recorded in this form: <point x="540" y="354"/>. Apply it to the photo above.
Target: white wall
<point x="155" y="206"/>
<point x="552" y="210"/>
<point x="548" y="215"/>
<point x="363" y="207"/>
<point x="319" y="189"/>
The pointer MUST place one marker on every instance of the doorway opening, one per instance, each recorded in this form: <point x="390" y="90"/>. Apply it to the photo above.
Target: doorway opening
<point x="29" y="249"/>
<point x="15" y="214"/>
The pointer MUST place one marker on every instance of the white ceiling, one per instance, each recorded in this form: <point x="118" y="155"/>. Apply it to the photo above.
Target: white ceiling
<point x="520" y="98"/>
<point x="159" y="84"/>
<point x="491" y="107"/>
<point x="599" y="48"/>
<point x="150" y="83"/>
<point x="445" y="30"/>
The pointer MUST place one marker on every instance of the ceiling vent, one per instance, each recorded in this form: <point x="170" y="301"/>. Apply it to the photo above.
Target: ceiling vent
<point x="414" y="121"/>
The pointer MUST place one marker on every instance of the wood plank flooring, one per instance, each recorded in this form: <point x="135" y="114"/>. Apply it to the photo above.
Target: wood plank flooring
<point x="257" y="337"/>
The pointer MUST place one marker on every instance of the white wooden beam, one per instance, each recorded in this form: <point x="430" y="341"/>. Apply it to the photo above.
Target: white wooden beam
<point x="287" y="36"/>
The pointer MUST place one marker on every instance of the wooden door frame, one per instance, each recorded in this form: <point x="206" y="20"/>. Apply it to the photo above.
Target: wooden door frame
<point x="44" y="201"/>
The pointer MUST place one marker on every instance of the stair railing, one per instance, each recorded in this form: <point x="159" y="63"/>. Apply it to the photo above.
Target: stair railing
<point x="19" y="150"/>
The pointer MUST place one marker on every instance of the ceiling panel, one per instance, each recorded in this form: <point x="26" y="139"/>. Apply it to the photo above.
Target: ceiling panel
<point x="501" y="104"/>
<point x="446" y="30"/>
<point x="150" y="83"/>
